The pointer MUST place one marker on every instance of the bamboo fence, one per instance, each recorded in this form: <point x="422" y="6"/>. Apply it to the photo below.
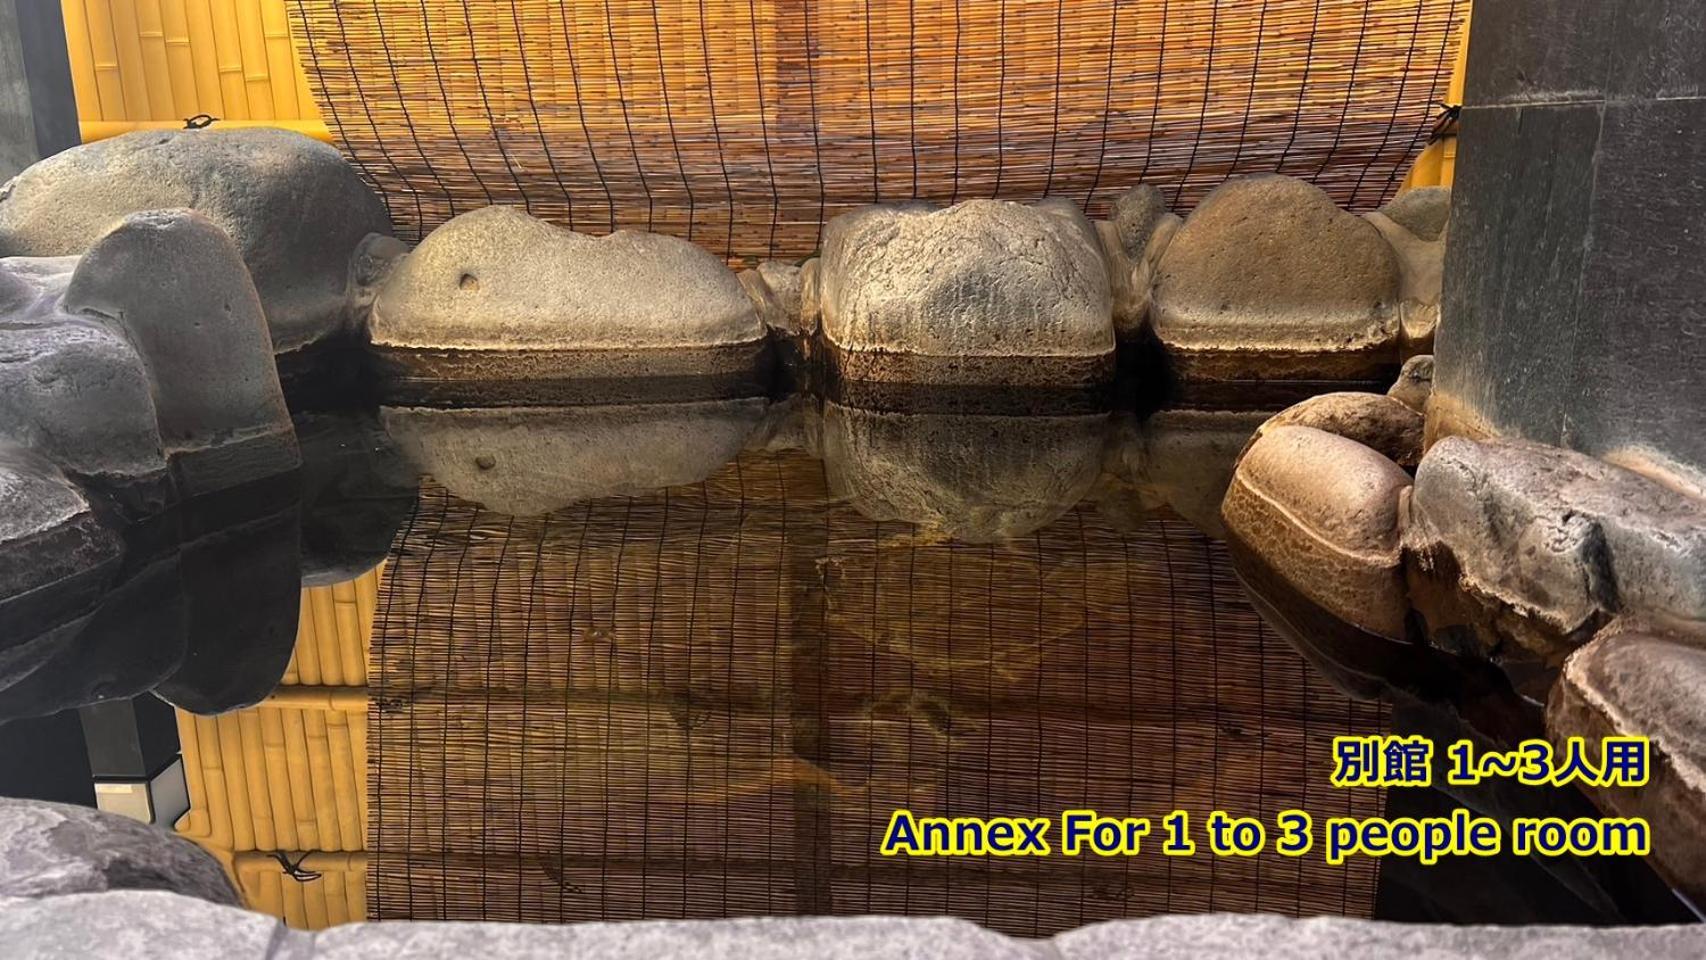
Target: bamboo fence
<point x="744" y="125"/>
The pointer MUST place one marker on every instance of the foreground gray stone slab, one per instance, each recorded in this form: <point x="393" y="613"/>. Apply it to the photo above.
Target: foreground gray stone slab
<point x="1549" y="544"/>
<point x="983" y="292"/>
<point x="52" y="849"/>
<point x="1267" y="279"/>
<point x="1633" y="683"/>
<point x="1225" y="936"/>
<point x="768" y="938"/>
<point x="294" y="208"/>
<point x="143" y="925"/>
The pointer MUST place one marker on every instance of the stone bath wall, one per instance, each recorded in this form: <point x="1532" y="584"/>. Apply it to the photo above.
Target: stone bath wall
<point x="76" y="883"/>
<point x="1583" y="580"/>
<point x="976" y="370"/>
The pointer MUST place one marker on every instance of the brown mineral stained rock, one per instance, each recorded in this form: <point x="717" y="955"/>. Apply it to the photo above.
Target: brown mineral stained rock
<point x="1421" y="265"/>
<point x="295" y="210"/>
<point x="1322" y="512"/>
<point x="982" y="292"/>
<point x="1553" y="543"/>
<point x="1415" y="383"/>
<point x="1640" y="684"/>
<point x="1131" y="273"/>
<point x="1423" y="211"/>
<point x="1267" y="279"/>
<point x="174" y="284"/>
<point x="526" y="461"/>
<point x="1374" y="420"/>
<point x="775" y="288"/>
<point x="975" y="478"/>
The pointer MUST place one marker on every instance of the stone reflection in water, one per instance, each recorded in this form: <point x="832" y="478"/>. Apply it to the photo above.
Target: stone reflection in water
<point x="707" y="700"/>
<point x="970" y="477"/>
<point x="528" y="461"/>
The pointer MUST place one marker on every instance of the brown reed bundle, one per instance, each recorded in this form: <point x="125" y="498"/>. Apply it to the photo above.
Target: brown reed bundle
<point x="707" y="702"/>
<point x="745" y="124"/>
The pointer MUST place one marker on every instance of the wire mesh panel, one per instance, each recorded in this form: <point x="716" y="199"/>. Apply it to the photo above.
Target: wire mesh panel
<point x="708" y="702"/>
<point x="744" y="124"/>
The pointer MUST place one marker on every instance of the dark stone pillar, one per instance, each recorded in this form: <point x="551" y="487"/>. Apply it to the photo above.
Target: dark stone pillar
<point x="1574" y="309"/>
<point x="38" y="109"/>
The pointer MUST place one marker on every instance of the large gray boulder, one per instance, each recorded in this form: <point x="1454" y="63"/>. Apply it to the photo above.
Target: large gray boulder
<point x="1545" y="545"/>
<point x="495" y="296"/>
<point x="173" y="284"/>
<point x="526" y="461"/>
<point x="983" y="292"/>
<point x="295" y="210"/>
<point x="1268" y="279"/>
<point x="53" y="849"/>
<point x="1632" y="683"/>
<point x="74" y="389"/>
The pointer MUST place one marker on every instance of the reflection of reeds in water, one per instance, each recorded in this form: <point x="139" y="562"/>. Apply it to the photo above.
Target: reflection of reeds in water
<point x="708" y="701"/>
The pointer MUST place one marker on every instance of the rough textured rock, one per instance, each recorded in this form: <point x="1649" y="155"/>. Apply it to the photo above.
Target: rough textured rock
<point x="172" y="282"/>
<point x="973" y="478"/>
<point x="1135" y="215"/>
<point x="1132" y="248"/>
<point x="758" y="938"/>
<point x="775" y="288"/>
<point x="981" y="292"/>
<point x="1550" y="543"/>
<point x="1183" y="459"/>
<point x="1322" y="512"/>
<point x="1415" y="383"/>
<point x="495" y="295"/>
<point x="1421" y="259"/>
<point x="1374" y="420"/>
<point x="294" y="208"/>
<point x="1229" y="936"/>
<point x="1423" y="211"/>
<point x="1633" y="683"/>
<point x="1267" y="279"/>
<point x="52" y="849"/>
<point x="161" y="925"/>
<point x="144" y="925"/>
<point x="73" y="388"/>
<point x="526" y="461"/>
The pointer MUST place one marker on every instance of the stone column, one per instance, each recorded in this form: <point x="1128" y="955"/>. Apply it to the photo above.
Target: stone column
<point x="38" y="109"/>
<point x="1574" y="307"/>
